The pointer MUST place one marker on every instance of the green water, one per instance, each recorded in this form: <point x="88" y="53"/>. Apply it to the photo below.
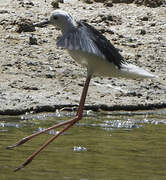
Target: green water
<point x="114" y="151"/>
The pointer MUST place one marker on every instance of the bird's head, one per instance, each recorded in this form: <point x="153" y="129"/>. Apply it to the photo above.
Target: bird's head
<point x="59" y="18"/>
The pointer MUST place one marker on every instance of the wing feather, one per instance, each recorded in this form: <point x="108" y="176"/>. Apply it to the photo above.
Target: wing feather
<point x="87" y="39"/>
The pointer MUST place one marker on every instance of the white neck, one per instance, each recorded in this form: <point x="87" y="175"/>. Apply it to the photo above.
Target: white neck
<point x="67" y="25"/>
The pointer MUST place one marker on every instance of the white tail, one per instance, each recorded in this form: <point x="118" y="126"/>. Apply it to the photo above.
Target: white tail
<point x="134" y="72"/>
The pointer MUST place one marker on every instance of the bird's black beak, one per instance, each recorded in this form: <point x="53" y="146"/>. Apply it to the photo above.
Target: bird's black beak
<point x="44" y="23"/>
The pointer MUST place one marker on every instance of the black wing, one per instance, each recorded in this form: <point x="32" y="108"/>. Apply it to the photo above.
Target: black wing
<point x="88" y="39"/>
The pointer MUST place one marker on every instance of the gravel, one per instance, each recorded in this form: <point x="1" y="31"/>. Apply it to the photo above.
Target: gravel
<point x="35" y="76"/>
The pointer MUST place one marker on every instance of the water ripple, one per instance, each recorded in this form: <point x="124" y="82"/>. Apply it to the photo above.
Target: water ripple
<point x="16" y="125"/>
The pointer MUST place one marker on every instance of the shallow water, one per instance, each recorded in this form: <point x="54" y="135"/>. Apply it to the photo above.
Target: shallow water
<point x="103" y="146"/>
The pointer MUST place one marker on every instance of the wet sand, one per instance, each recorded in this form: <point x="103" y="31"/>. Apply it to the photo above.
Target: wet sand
<point x="35" y="76"/>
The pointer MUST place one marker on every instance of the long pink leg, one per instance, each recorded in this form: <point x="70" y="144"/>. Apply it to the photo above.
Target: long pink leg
<point x="24" y="140"/>
<point x="67" y="123"/>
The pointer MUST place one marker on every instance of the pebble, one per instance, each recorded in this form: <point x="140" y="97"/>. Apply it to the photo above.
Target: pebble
<point x="3" y="11"/>
<point x="32" y="40"/>
<point x="108" y="3"/>
<point x="55" y="4"/>
<point x="25" y="26"/>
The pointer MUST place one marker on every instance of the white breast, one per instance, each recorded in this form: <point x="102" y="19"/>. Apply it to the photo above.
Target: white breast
<point x="103" y="67"/>
<point x="95" y="64"/>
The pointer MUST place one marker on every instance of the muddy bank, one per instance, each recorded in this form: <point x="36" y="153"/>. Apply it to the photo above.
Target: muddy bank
<point x="36" y="76"/>
<point x="72" y="107"/>
<point x="148" y="3"/>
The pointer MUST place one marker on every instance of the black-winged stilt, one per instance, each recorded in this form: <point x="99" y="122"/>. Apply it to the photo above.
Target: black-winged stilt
<point x="91" y="49"/>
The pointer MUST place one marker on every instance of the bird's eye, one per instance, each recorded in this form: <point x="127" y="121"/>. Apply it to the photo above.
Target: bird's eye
<point x="55" y="17"/>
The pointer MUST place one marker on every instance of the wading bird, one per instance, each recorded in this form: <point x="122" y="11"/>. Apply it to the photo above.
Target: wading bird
<point x="91" y="49"/>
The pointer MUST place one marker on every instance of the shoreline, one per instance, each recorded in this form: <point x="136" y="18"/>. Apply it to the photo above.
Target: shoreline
<point x="95" y="108"/>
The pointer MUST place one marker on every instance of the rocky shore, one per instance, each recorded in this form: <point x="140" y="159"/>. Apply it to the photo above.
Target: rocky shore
<point x="35" y="76"/>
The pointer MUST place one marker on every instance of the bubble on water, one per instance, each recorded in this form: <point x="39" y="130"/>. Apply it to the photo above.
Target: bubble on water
<point x="51" y="132"/>
<point x="3" y="124"/>
<point x="79" y="148"/>
<point x="153" y="121"/>
<point x="114" y="124"/>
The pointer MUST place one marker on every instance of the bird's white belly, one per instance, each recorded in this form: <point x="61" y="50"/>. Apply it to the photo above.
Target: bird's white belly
<point x="95" y="64"/>
<point x="103" y="67"/>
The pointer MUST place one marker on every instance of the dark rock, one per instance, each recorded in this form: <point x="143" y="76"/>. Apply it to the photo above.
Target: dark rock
<point x="3" y="11"/>
<point x="141" y="31"/>
<point x="30" y="88"/>
<point x="55" y="4"/>
<point x="32" y="40"/>
<point x="27" y="4"/>
<point x="122" y="1"/>
<point x="108" y="19"/>
<point x="145" y="18"/>
<point x="132" y="94"/>
<point x="108" y="3"/>
<point x="50" y="75"/>
<point x="153" y="24"/>
<point x="88" y="1"/>
<point x="150" y="3"/>
<point x="116" y="1"/>
<point x="24" y="25"/>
